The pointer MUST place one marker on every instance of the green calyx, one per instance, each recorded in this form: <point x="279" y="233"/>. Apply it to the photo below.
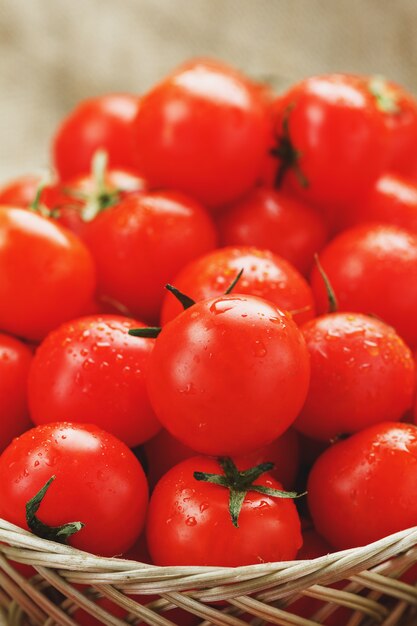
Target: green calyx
<point x="239" y="483"/>
<point x="331" y="296"/>
<point x="102" y="197"/>
<point x="59" y="534"/>
<point x="386" y="98"/>
<point x="186" y="302"/>
<point x="287" y="155"/>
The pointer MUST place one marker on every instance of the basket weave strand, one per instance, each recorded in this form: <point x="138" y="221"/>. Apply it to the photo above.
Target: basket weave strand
<point x="259" y="593"/>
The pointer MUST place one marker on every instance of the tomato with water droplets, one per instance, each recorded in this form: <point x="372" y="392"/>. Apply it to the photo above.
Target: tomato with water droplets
<point x="98" y="482"/>
<point x="96" y="374"/>
<point x="229" y="374"/>
<point x="189" y="521"/>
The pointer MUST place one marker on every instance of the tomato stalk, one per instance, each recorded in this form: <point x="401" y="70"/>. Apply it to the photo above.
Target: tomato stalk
<point x="60" y="534"/>
<point x="331" y="296"/>
<point x="287" y="154"/>
<point x="239" y="483"/>
<point x="102" y="197"/>
<point x="386" y="99"/>
<point x="186" y="301"/>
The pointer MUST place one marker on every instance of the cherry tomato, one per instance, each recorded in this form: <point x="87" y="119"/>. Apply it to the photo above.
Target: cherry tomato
<point x="99" y="482"/>
<point x="96" y="374"/>
<point x="189" y="521"/>
<point x="264" y="274"/>
<point x="228" y="375"/>
<point x="393" y="200"/>
<point x="203" y="131"/>
<point x="398" y="110"/>
<point x="20" y="192"/>
<point x="268" y="218"/>
<point x="15" y="359"/>
<point x="47" y="275"/>
<point x="142" y="243"/>
<point x="362" y="373"/>
<point x="104" y="122"/>
<point x="330" y="139"/>
<point x="363" y="489"/>
<point x="164" y="451"/>
<point x="373" y="269"/>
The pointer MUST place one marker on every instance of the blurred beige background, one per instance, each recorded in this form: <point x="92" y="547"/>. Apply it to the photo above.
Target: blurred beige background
<point x="55" y="52"/>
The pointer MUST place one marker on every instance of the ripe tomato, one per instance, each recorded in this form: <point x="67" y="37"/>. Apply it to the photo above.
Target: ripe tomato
<point x="392" y="200"/>
<point x="362" y="373"/>
<point x="189" y="521"/>
<point x="203" y="131"/>
<point x="270" y="219"/>
<point x="99" y="482"/>
<point x="398" y="110"/>
<point x="47" y="275"/>
<point x="20" y="192"/>
<point x="330" y="139"/>
<point x="104" y="122"/>
<point x="228" y="375"/>
<point x="363" y="489"/>
<point x="96" y="374"/>
<point x="264" y="274"/>
<point x="373" y="269"/>
<point x="15" y="359"/>
<point x="164" y="451"/>
<point x="142" y="243"/>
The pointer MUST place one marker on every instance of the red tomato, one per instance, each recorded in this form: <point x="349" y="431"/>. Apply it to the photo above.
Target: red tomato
<point x="393" y="200"/>
<point x="228" y="375"/>
<point x="47" y="275"/>
<point x="96" y="374"/>
<point x="264" y="274"/>
<point x="398" y="110"/>
<point x="142" y="243"/>
<point x="203" y="131"/>
<point x="330" y="139"/>
<point x="270" y="219"/>
<point x="20" y="192"/>
<point x="189" y="521"/>
<point x="164" y="451"/>
<point x="104" y="122"/>
<point x="15" y="359"/>
<point x="373" y="269"/>
<point x="313" y="546"/>
<point x="99" y="482"/>
<point x="363" y="489"/>
<point x="362" y="373"/>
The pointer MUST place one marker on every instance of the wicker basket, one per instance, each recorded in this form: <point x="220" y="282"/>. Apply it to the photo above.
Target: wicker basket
<point x="263" y="592"/>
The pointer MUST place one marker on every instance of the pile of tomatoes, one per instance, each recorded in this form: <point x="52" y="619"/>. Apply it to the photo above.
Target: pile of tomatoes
<point x="214" y="300"/>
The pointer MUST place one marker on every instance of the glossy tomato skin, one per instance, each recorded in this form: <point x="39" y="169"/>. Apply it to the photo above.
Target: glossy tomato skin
<point x="203" y="131"/>
<point x="265" y="275"/>
<point x="142" y="243"/>
<point x="268" y="218"/>
<point x="337" y="130"/>
<point x="393" y="200"/>
<point x="15" y="360"/>
<point x="373" y="269"/>
<point x="104" y="122"/>
<point x="21" y="191"/>
<point x="96" y="374"/>
<point x="164" y="451"/>
<point x="98" y="482"/>
<point x="362" y="489"/>
<point x="228" y="375"/>
<point x="47" y="275"/>
<point x="189" y="522"/>
<point x="400" y="120"/>
<point x="362" y="373"/>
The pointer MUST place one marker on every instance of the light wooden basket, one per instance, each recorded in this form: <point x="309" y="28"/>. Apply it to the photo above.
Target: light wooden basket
<point x="261" y="593"/>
